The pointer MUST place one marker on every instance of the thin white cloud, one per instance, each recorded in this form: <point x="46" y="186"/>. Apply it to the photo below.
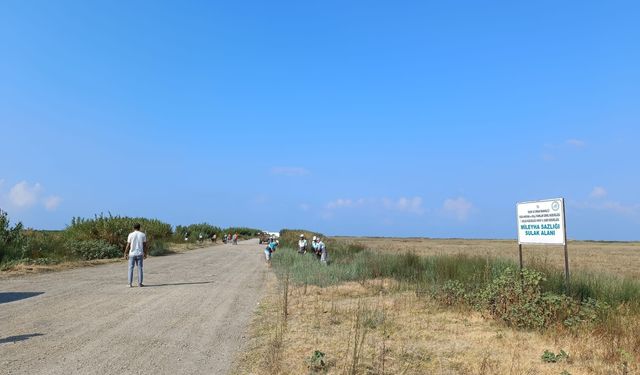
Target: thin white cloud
<point x="551" y="151"/>
<point x="577" y="143"/>
<point x="598" y="192"/>
<point x="410" y="205"/>
<point x="623" y="209"/>
<point x="345" y="203"/>
<point x="52" y="202"/>
<point x="22" y="195"/>
<point x="260" y="199"/>
<point x="610" y="206"/>
<point x="403" y="204"/>
<point x="548" y="157"/>
<point x="598" y="202"/>
<point x="460" y="208"/>
<point x="304" y="207"/>
<point x="290" y="171"/>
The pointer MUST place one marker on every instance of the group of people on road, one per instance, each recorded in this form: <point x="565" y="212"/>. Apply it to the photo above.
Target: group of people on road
<point x="317" y="245"/>
<point x="231" y="239"/>
<point x="318" y="248"/>
<point x="136" y="249"/>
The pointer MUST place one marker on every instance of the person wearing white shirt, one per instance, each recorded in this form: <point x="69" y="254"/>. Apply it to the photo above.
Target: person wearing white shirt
<point x="302" y="245"/>
<point x="314" y="246"/>
<point x="322" y="249"/>
<point x="135" y="252"/>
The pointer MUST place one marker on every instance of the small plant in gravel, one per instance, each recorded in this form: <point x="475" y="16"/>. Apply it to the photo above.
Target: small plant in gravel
<point x="551" y="357"/>
<point x="317" y="362"/>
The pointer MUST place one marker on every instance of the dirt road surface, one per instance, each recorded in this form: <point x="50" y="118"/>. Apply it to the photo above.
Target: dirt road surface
<point x="190" y="318"/>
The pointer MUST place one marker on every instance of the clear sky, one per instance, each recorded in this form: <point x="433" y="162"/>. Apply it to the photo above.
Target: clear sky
<point x="425" y="118"/>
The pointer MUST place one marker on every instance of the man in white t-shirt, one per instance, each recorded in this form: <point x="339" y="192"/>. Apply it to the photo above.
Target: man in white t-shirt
<point x="136" y="251"/>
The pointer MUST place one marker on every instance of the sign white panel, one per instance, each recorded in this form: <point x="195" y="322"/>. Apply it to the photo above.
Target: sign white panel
<point x="541" y="222"/>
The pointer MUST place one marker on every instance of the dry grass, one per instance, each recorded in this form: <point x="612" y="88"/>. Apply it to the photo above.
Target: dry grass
<point x="618" y="258"/>
<point x="378" y="327"/>
<point x="182" y="247"/>
<point x="401" y="333"/>
<point x="26" y="269"/>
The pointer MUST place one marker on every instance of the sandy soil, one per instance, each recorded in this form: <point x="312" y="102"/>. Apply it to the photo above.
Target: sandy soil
<point x="190" y="318"/>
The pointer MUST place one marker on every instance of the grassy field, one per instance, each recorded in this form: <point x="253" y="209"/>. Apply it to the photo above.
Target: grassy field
<point x="615" y="258"/>
<point x="379" y="309"/>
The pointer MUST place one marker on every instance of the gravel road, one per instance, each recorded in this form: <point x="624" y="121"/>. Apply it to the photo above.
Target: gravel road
<point x="190" y="318"/>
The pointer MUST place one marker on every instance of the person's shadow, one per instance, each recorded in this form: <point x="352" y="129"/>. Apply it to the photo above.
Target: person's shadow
<point x="174" y="284"/>
<point x="15" y="339"/>
<point x="6" y="297"/>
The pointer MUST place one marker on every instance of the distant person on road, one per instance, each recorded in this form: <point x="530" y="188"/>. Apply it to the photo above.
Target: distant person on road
<point x="322" y="250"/>
<point x="235" y="238"/>
<point x="302" y="245"/>
<point x="135" y="252"/>
<point x="214" y="238"/>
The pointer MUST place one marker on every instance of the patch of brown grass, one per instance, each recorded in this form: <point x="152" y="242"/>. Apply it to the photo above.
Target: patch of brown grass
<point x="26" y="269"/>
<point x="182" y="247"/>
<point x="394" y="331"/>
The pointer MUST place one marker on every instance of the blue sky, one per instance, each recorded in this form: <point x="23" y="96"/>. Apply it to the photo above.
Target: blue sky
<point x="351" y="118"/>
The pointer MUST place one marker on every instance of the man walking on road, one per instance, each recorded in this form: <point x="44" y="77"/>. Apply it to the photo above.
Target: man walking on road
<point x="135" y="252"/>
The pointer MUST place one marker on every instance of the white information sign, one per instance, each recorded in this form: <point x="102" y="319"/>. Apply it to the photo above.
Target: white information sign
<point x="541" y="222"/>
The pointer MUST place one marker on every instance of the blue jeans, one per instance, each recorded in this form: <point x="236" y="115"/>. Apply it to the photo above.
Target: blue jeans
<point x="133" y="260"/>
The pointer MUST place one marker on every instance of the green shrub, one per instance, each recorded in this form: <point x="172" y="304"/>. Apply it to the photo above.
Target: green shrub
<point x="115" y="229"/>
<point x="48" y="245"/>
<point x="517" y="299"/>
<point x="451" y="293"/>
<point x="193" y="232"/>
<point x="94" y="249"/>
<point x="11" y="240"/>
<point x="158" y="248"/>
<point x="243" y="232"/>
